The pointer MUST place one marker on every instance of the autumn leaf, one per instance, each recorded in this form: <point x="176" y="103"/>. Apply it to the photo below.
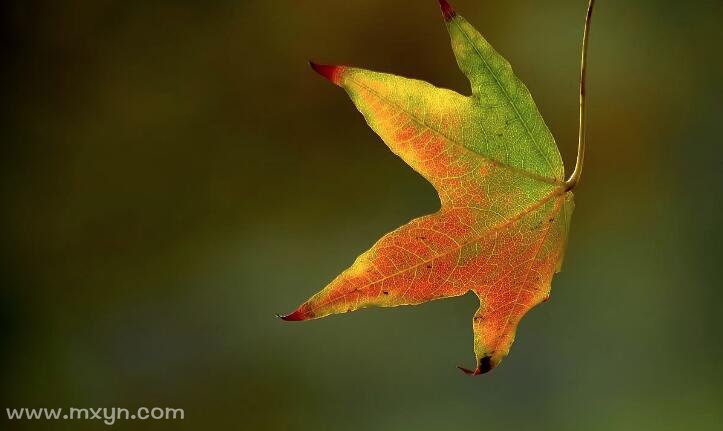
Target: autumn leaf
<point x="505" y="208"/>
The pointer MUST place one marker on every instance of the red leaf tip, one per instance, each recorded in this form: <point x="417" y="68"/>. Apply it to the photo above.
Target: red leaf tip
<point x="468" y="371"/>
<point x="447" y="10"/>
<point x="330" y="72"/>
<point x="294" y="317"/>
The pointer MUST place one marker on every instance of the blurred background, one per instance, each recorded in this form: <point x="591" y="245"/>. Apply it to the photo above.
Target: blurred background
<point x="173" y="174"/>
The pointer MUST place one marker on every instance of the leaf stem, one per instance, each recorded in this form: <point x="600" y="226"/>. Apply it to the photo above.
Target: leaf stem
<point x="571" y="182"/>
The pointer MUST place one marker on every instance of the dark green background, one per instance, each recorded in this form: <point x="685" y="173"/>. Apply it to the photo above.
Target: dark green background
<point x="173" y="174"/>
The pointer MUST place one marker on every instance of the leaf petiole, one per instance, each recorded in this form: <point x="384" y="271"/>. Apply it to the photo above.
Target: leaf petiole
<point x="571" y="182"/>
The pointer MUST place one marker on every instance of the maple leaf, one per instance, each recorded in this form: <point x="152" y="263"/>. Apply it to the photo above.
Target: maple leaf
<point x="505" y="208"/>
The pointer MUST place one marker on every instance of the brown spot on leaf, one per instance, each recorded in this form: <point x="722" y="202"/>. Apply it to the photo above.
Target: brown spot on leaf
<point x="485" y="364"/>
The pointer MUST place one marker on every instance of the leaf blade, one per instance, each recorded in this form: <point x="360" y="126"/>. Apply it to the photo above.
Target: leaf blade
<point x="502" y="227"/>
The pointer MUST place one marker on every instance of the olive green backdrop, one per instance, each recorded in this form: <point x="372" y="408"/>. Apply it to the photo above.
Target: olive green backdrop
<point x="173" y="174"/>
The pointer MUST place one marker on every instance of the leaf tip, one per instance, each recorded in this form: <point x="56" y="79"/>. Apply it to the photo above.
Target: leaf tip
<point x="466" y="370"/>
<point x="484" y="366"/>
<point x="447" y="10"/>
<point x="296" y="316"/>
<point x="330" y="72"/>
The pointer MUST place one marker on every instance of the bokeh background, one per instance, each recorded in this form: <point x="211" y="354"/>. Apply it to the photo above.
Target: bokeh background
<point x="173" y="174"/>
